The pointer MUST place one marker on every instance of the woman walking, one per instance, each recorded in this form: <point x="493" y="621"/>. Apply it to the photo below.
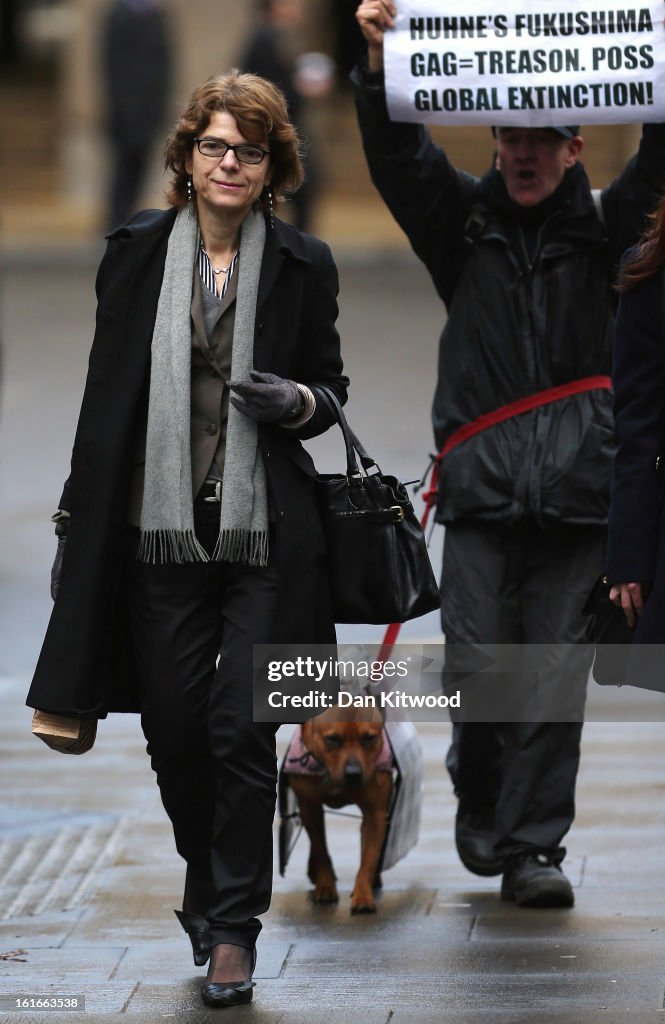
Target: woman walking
<point x="188" y="526"/>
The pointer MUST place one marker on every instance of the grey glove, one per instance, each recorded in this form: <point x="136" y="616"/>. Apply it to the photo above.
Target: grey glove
<point x="266" y="398"/>
<point x="61" y="525"/>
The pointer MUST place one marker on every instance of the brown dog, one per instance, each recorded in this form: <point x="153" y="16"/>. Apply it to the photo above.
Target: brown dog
<point x="348" y="744"/>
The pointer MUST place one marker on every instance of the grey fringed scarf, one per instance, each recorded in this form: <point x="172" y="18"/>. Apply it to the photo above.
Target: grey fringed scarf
<point x="167" y="514"/>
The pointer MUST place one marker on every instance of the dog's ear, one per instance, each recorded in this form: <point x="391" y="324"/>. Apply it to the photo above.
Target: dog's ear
<point x="307" y="732"/>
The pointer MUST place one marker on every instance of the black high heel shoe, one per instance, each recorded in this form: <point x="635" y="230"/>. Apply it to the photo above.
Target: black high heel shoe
<point x="219" y="994"/>
<point x="198" y="930"/>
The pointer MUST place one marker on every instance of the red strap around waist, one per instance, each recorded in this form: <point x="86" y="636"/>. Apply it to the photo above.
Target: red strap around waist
<point x="463" y="433"/>
<point x="506" y="412"/>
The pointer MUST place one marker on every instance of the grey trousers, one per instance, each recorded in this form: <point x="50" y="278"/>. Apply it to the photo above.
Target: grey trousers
<point x="525" y="587"/>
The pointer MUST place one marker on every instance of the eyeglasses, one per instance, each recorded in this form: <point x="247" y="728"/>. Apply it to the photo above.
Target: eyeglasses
<point x="245" y="152"/>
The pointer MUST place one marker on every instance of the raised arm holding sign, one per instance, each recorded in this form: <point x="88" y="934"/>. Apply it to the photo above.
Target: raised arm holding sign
<point x="522" y="408"/>
<point x="604" y="63"/>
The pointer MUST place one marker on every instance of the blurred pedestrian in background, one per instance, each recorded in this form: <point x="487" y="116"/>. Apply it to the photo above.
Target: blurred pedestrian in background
<point x="348" y="37"/>
<point x="636" y="555"/>
<point x="10" y="45"/>
<point x="524" y="260"/>
<point x="275" y="51"/>
<point x="189" y="525"/>
<point x="136" y="75"/>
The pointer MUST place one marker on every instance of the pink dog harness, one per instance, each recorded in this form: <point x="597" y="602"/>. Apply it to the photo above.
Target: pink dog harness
<point x="298" y="760"/>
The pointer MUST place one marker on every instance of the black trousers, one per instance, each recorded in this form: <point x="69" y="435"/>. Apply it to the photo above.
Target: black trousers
<point x="216" y="768"/>
<point x="523" y="586"/>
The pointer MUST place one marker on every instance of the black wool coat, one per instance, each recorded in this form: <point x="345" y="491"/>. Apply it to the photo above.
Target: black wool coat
<point x="636" y="551"/>
<point x="86" y="667"/>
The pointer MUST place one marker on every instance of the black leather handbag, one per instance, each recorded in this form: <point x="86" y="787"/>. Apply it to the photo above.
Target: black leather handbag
<point x="378" y="565"/>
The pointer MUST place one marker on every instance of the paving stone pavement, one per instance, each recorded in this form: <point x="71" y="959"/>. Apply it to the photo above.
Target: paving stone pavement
<point x="98" y="924"/>
<point x="88" y="873"/>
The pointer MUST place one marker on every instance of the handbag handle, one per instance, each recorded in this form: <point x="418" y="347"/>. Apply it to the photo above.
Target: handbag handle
<point x="351" y="441"/>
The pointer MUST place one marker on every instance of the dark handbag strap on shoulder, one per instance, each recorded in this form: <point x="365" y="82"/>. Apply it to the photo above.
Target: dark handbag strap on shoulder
<point x="354" y="447"/>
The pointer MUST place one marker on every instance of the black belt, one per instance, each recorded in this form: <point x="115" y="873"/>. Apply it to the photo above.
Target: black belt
<point x="211" y="490"/>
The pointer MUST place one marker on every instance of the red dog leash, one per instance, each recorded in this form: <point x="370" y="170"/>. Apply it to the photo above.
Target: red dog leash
<point x="484" y="422"/>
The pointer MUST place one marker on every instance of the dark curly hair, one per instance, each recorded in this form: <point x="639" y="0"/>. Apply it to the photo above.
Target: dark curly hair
<point x="259" y="108"/>
<point x="649" y="256"/>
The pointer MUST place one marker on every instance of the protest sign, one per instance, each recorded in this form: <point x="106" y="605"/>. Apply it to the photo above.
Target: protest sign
<point x="537" y="64"/>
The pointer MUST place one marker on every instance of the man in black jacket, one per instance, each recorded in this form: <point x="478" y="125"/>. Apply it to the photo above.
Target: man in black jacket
<point x="524" y="260"/>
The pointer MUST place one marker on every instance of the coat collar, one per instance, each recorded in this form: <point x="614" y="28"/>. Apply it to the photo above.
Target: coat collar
<point x="282" y="242"/>
<point x="280" y="237"/>
<point x="145" y="223"/>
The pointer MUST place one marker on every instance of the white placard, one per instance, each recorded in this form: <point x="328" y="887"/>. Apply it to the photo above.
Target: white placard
<point x="542" y="62"/>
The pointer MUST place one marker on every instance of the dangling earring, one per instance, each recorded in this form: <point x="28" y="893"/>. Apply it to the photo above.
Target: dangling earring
<point x="271" y="208"/>
<point x="190" y="194"/>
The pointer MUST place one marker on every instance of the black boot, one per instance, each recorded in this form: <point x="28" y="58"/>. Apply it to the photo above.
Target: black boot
<point x="535" y="880"/>
<point x="474" y="838"/>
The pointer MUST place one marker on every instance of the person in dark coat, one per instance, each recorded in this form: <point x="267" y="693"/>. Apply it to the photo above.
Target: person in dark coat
<point x="636" y="549"/>
<point x="192" y="528"/>
<point x="271" y="51"/>
<point x="524" y="260"/>
<point x="137" y="70"/>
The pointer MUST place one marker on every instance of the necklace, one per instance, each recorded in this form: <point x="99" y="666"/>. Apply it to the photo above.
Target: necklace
<point x="221" y="270"/>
